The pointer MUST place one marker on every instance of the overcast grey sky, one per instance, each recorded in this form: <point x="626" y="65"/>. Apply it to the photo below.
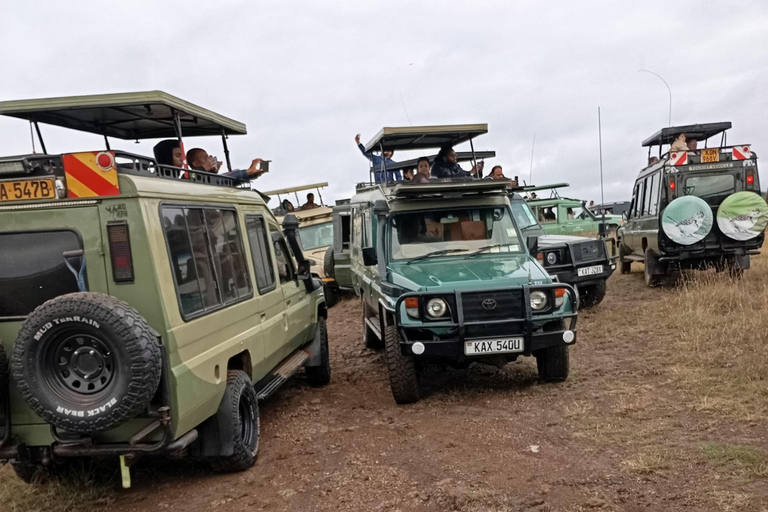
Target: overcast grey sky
<point x="306" y="76"/>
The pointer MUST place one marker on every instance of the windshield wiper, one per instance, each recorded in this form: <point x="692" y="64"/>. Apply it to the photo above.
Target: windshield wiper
<point x="434" y="253"/>
<point x="483" y="249"/>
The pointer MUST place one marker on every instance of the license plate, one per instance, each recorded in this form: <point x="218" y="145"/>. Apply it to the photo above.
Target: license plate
<point x="22" y="190"/>
<point x="476" y="348"/>
<point x="589" y="271"/>
<point x="710" y="155"/>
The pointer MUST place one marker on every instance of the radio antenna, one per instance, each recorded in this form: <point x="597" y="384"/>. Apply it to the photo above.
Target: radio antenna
<point x="600" y="142"/>
<point x="530" y="171"/>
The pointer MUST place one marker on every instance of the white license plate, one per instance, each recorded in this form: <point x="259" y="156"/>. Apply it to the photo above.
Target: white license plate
<point x="475" y="348"/>
<point x="589" y="271"/>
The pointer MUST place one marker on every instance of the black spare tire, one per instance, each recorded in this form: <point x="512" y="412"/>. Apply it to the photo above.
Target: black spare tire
<point x="86" y="362"/>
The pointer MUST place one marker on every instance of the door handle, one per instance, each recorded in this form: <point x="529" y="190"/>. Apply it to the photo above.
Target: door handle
<point x="287" y="302"/>
<point x="263" y="317"/>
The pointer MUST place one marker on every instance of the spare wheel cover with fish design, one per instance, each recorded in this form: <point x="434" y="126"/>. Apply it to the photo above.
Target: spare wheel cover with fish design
<point x="742" y="216"/>
<point x="687" y="220"/>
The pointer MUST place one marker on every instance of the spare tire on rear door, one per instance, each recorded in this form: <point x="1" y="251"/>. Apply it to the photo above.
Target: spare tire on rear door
<point x="86" y="362"/>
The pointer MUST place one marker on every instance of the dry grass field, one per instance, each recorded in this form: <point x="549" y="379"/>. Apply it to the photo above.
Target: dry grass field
<point x="665" y="409"/>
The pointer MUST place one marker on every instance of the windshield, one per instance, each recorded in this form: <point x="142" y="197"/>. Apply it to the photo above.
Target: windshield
<point x="319" y="235"/>
<point x="453" y="231"/>
<point x="580" y="213"/>
<point x="709" y="186"/>
<point x="523" y="215"/>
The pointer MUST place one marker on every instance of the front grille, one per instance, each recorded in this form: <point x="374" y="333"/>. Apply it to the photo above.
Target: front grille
<point x="582" y="252"/>
<point x="498" y="305"/>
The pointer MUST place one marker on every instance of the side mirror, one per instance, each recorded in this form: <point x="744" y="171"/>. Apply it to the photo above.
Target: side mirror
<point x="532" y="242"/>
<point x="624" y="216"/>
<point x="369" y="256"/>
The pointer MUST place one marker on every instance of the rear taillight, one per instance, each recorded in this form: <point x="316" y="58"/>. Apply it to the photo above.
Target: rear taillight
<point x="750" y="179"/>
<point x="120" y="252"/>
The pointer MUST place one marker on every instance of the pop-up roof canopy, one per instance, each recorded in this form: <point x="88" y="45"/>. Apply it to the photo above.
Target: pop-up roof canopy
<point x="691" y="131"/>
<point x="462" y="156"/>
<point x="136" y="115"/>
<point x="423" y="137"/>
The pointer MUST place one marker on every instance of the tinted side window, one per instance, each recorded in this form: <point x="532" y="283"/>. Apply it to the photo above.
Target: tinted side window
<point x="654" y="194"/>
<point x="206" y="256"/>
<point x="260" y="253"/>
<point x="227" y="253"/>
<point x="284" y="263"/>
<point x="647" y="199"/>
<point x="345" y="234"/>
<point x="638" y="199"/>
<point x="34" y="269"/>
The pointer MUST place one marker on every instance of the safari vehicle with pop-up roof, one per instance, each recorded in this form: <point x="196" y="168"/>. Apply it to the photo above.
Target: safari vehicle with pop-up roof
<point x="585" y="263"/>
<point x="445" y="276"/>
<point x="144" y="309"/>
<point x="315" y="233"/>
<point x="694" y="208"/>
<point x="565" y="216"/>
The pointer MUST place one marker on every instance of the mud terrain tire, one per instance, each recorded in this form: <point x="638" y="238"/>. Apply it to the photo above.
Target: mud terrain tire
<point x="240" y="411"/>
<point x="328" y="262"/>
<point x="552" y="364"/>
<point x="592" y="294"/>
<point x="403" y="375"/>
<point x="320" y="375"/>
<point x="86" y="362"/>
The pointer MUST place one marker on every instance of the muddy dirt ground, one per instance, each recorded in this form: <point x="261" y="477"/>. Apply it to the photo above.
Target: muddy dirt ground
<point x="618" y="435"/>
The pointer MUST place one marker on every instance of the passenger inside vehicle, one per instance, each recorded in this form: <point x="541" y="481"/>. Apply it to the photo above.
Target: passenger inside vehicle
<point x="168" y="152"/>
<point x="446" y="165"/>
<point x="422" y="167"/>
<point x="408" y="174"/>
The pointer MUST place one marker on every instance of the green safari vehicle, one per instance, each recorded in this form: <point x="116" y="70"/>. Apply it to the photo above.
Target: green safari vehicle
<point x="144" y="308"/>
<point x="445" y="276"/>
<point x="564" y="216"/>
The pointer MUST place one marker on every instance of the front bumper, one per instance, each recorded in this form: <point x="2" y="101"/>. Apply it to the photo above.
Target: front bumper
<point x="449" y="336"/>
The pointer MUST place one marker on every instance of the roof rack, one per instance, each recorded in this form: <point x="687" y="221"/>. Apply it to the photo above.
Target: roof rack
<point x="447" y="188"/>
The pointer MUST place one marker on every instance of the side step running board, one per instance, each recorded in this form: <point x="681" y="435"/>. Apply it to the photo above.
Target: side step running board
<point x="374" y="326"/>
<point x="283" y="372"/>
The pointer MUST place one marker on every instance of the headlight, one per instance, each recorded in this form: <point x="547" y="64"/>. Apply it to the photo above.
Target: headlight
<point x="538" y="300"/>
<point x="551" y="258"/>
<point x="436" y="308"/>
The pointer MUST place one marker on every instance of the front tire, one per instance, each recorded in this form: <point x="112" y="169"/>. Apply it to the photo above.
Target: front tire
<point x="592" y="294"/>
<point x="553" y="364"/>
<point x="320" y="375"/>
<point x="239" y="411"/>
<point x="403" y="376"/>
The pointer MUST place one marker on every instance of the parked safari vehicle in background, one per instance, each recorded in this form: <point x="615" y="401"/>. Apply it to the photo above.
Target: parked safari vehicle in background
<point x="315" y="233"/>
<point x="445" y="276"/>
<point x="584" y="263"/>
<point x="694" y="208"/>
<point x="140" y="302"/>
<point x="563" y="216"/>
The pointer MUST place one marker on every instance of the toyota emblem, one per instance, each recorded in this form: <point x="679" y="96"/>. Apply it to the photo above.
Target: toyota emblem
<point x="489" y="304"/>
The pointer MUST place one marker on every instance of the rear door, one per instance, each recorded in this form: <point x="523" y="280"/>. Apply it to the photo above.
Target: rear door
<point x="45" y="253"/>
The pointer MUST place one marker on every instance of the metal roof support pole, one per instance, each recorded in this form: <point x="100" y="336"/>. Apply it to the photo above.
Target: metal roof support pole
<point x="40" y="138"/>
<point x="226" y="149"/>
<point x="474" y="161"/>
<point x="298" y="201"/>
<point x="320" y="196"/>
<point x="383" y="163"/>
<point x="106" y="141"/>
<point x="177" y="129"/>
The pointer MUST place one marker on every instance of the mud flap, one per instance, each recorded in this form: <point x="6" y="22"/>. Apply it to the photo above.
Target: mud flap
<point x="654" y="267"/>
<point x="313" y="349"/>
<point x="215" y="435"/>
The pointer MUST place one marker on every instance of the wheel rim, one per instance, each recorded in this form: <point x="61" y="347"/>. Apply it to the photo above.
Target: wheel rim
<point x="247" y="413"/>
<point x="79" y="364"/>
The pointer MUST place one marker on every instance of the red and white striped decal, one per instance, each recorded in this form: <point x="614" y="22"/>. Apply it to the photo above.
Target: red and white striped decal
<point x="679" y="158"/>
<point x="741" y="153"/>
